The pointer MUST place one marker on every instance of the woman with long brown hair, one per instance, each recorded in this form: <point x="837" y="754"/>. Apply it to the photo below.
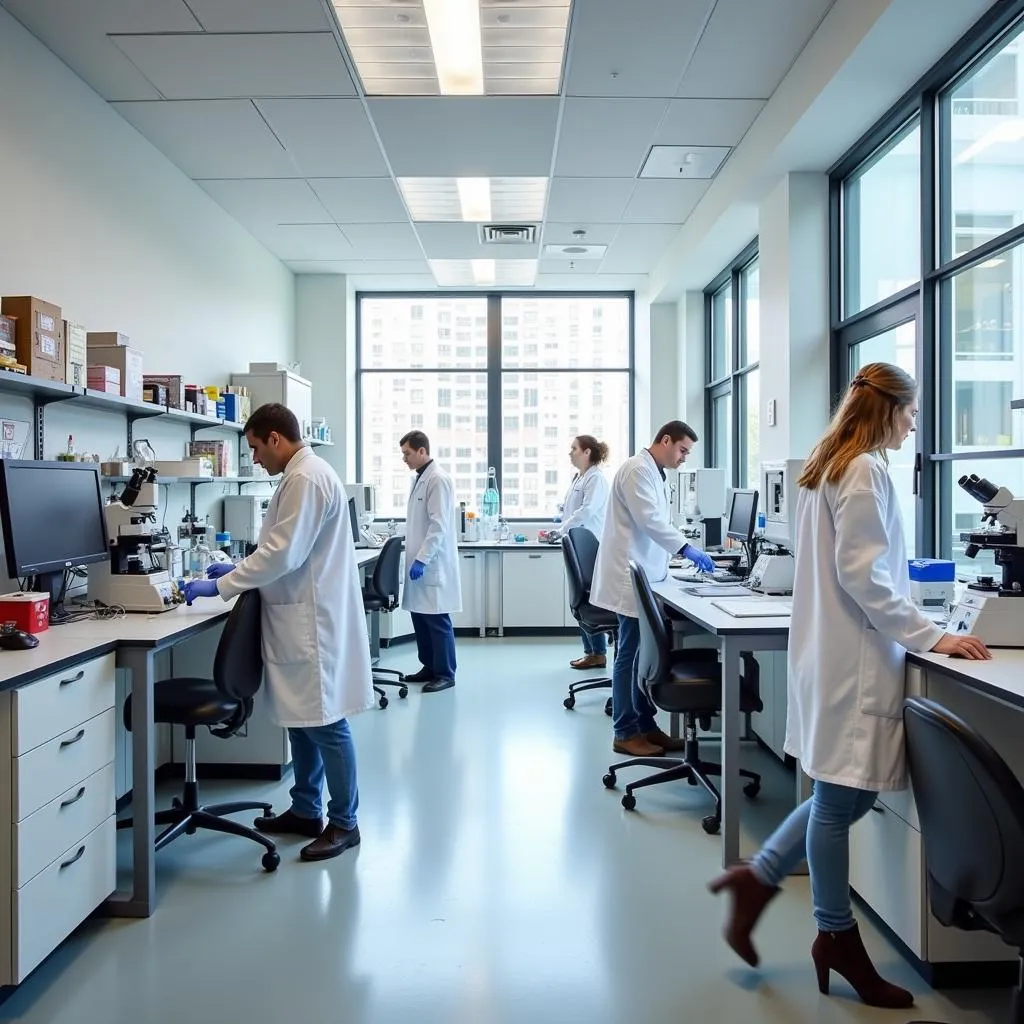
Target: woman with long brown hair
<point x="852" y="624"/>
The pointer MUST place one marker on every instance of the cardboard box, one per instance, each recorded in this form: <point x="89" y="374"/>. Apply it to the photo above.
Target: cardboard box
<point x="155" y="393"/>
<point x="128" y="360"/>
<point x="38" y="335"/>
<point x="104" y="378"/>
<point x="219" y="451"/>
<point x="174" y="384"/>
<point x="106" y="339"/>
<point x="76" y="348"/>
<point x="7" y="335"/>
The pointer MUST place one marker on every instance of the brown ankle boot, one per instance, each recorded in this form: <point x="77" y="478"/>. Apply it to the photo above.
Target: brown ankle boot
<point x="844" y="953"/>
<point x="749" y="898"/>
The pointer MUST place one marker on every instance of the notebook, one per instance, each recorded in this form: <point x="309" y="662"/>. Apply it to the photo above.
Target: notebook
<point x="743" y="609"/>
<point x="718" y="590"/>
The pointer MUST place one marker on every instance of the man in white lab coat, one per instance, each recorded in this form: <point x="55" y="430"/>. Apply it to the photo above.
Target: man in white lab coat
<point x="316" y="650"/>
<point x="433" y="589"/>
<point x="638" y="527"/>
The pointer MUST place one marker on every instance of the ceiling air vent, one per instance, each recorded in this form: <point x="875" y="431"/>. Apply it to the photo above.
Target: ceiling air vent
<point x="508" y="234"/>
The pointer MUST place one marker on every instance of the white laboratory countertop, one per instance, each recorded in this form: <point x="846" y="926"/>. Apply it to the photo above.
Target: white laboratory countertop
<point x="508" y="545"/>
<point x="702" y="612"/>
<point x="1002" y="677"/>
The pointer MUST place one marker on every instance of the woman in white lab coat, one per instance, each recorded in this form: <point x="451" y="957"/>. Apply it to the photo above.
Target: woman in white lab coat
<point x="852" y="623"/>
<point x="584" y="505"/>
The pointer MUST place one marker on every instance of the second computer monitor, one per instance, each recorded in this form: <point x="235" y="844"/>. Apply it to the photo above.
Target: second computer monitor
<point x="742" y="516"/>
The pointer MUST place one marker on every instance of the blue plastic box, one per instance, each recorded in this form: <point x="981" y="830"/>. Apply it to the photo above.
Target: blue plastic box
<point x="932" y="570"/>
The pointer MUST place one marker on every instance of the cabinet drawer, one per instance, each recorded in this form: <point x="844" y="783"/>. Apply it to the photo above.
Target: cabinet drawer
<point x="886" y="871"/>
<point x="53" y="705"/>
<point x="61" y="897"/>
<point x="40" y="838"/>
<point x="45" y="773"/>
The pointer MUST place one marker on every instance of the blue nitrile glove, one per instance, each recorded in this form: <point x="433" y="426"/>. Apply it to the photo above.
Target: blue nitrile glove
<point x="218" y="569"/>
<point x="699" y="559"/>
<point x="199" y="588"/>
<point x="417" y="569"/>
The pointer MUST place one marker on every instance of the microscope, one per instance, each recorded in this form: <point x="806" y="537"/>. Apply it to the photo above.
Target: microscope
<point x="133" y="578"/>
<point x="993" y="611"/>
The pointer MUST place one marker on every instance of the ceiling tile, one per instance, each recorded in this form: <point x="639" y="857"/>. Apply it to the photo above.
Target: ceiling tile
<point x="657" y="201"/>
<point x="586" y="199"/>
<point x="267" y="201"/>
<point x="360" y="200"/>
<point x="575" y="281"/>
<point x="383" y="241"/>
<point x="362" y="267"/>
<point x="327" y="138"/>
<point x="596" y="233"/>
<point x="747" y="47"/>
<point x="638" y="247"/>
<point x="606" y="137"/>
<point x="261" y="15"/>
<point x="461" y="136"/>
<point x="645" y="46"/>
<point x="225" y="66"/>
<point x="462" y="241"/>
<point x="707" y="122"/>
<point x="559" y="266"/>
<point x="304" y="241"/>
<point x="211" y="138"/>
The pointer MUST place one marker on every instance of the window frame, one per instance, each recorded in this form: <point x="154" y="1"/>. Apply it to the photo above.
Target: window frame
<point x="494" y="369"/>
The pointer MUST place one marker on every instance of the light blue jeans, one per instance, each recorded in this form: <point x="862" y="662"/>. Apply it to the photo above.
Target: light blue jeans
<point x="594" y="643"/>
<point x="319" y="752"/>
<point x="818" y="831"/>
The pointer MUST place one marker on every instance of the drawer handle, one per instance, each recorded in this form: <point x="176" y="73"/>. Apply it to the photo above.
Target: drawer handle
<point x="71" y="860"/>
<point x="74" y="739"/>
<point x="74" y="800"/>
<point x="534" y="556"/>
<point x="468" y="557"/>
<point x="73" y="679"/>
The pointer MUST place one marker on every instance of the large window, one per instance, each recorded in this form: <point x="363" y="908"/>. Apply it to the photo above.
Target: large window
<point x="503" y="381"/>
<point x="929" y="273"/>
<point x="733" y="393"/>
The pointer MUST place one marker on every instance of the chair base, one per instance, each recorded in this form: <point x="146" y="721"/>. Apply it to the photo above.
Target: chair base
<point x="379" y="682"/>
<point x="601" y="682"/>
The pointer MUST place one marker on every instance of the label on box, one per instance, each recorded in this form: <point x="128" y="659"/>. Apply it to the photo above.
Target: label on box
<point x="45" y="322"/>
<point x="47" y="345"/>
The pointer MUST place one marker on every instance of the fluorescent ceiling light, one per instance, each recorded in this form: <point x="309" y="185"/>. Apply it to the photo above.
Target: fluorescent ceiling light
<point x="454" y="27"/>
<point x="475" y="200"/>
<point x="483" y="273"/>
<point x="1005" y="131"/>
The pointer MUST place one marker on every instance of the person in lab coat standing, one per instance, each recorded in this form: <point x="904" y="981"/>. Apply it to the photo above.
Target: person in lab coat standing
<point x="316" y="651"/>
<point x="433" y="589"/>
<point x="638" y="528"/>
<point x="584" y="505"/>
<point x="852" y="623"/>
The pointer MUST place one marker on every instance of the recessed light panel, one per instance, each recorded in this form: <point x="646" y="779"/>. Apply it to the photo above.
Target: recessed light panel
<point x="475" y="200"/>
<point x="484" y="273"/>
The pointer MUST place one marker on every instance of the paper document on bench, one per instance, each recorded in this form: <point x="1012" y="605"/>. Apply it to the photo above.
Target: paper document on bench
<point x="718" y="590"/>
<point x="743" y="609"/>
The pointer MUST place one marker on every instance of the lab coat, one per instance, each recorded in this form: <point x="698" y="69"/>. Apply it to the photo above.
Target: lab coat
<point x="316" y="650"/>
<point x="852" y="624"/>
<point x="585" y="503"/>
<point x="637" y="527"/>
<point x="431" y="538"/>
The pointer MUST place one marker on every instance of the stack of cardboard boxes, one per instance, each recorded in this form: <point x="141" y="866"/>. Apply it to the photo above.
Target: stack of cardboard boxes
<point x="38" y="337"/>
<point x="110" y="351"/>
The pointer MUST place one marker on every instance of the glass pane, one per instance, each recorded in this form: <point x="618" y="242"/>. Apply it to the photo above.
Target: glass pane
<point x="750" y="335"/>
<point x="986" y="170"/>
<point x="721" y="332"/>
<point x="721" y="446"/>
<point x="450" y="407"/>
<point x="565" y="332"/>
<point x="967" y="514"/>
<point x="882" y="224"/>
<point x="898" y="346"/>
<point x="541" y="413"/>
<point x="421" y="332"/>
<point x="750" y="429"/>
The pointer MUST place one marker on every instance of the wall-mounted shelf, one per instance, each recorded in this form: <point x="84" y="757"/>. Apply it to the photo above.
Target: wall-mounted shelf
<point x="1017" y="403"/>
<point x="199" y="479"/>
<point x="315" y="442"/>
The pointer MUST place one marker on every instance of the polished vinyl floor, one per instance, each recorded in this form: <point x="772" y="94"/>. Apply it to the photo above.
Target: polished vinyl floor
<point x="497" y="881"/>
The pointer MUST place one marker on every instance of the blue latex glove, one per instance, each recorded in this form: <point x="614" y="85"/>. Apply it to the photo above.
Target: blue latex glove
<point x="218" y="569"/>
<point x="417" y="569"/>
<point x="699" y="559"/>
<point x="199" y="588"/>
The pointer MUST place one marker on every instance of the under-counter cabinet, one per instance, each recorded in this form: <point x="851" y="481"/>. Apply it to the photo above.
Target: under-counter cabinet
<point x="532" y="589"/>
<point x="57" y="825"/>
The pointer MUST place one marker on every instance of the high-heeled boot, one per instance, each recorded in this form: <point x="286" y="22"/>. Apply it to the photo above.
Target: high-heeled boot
<point x="844" y="953"/>
<point x="749" y="898"/>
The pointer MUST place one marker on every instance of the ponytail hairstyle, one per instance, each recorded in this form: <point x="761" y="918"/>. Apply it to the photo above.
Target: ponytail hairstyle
<point x="864" y="422"/>
<point x="598" y="449"/>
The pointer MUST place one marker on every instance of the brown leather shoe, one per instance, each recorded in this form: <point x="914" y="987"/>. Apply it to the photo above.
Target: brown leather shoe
<point x="663" y="740"/>
<point x="289" y="824"/>
<point x="844" y="953"/>
<point x="333" y="840"/>
<point x="590" y="661"/>
<point x="749" y="896"/>
<point x="637" y="746"/>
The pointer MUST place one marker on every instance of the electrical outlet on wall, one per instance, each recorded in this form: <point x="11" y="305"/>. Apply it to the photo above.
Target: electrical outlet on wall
<point x="771" y="412"/>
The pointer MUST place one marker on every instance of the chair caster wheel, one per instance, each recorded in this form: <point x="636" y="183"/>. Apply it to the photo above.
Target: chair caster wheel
<point x="711" y="825"/>
<point x="271" y="861"/>
<point x="691" y="780"/>
<point x="751" y="789"/>
<point x="383" y="702"/>
<point x="608" y="707"/>
<point x="569" y="703"/>
<point x="403" y="692"/>
<point x="629" y="801"/>
<point x="609" y="780"/>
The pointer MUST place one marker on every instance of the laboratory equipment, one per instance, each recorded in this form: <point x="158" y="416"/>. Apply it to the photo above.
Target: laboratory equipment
<point x="365" y="496"/>
<point x="700" y="504"/>
<point x="353" y="520"/>
<point x="244" y="515"/>
<point x="52" y="515"/>
<point x="773" y="571"/>
<point x="932" y="583"/>
<point x="742" y="516"/>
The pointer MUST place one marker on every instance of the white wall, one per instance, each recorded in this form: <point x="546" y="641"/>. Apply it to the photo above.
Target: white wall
<point x="667" y="357"/>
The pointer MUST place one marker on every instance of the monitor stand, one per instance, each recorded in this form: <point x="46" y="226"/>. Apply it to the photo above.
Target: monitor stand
<point x="52" y="583"/>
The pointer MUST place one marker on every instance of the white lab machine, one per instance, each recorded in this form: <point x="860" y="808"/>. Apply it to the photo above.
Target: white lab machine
<point x="699" y="504"/>
<point x="365" y="497"/>
<point x="773" y="573"/>
<point x="244" y="515"/>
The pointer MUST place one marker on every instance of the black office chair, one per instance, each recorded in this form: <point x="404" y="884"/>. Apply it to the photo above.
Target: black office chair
<point x="380" y="594"/>
<point x="579" y="549"/>
<point x="687" y="682"/>
<point x="226" y="701"/>
<point x="971" y="808"/>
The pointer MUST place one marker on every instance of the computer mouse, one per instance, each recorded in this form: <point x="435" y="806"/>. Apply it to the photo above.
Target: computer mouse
<point x="18" y="640"/>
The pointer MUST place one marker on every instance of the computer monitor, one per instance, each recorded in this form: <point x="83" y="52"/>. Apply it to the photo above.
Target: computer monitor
<point x="742" y="516"/>
<point x="353" y="518"/>
<point x="52" y="517"/>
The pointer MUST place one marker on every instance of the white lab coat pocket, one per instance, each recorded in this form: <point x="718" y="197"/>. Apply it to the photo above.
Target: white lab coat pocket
<point x="433" y="575"/>
<point x="882" y="681"/>
<point x="288" y="634"/>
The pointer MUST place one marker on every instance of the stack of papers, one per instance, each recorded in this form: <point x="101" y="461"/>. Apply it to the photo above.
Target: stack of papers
<point x="743" y="608"/>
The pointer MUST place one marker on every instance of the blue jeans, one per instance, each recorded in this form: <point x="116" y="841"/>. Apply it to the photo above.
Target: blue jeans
<point x="594" y="643"/>
<point x="319" y="751"/>
<point x="632" y="713"/>
<point x="435" y="643"/>
<point x="818" y="830"/>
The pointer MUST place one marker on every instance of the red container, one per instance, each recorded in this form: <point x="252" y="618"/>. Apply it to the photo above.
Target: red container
<point x="28" y="612"/>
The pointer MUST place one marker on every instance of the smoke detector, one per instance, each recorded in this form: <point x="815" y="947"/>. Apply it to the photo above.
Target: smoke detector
<point x="576" y="250"/>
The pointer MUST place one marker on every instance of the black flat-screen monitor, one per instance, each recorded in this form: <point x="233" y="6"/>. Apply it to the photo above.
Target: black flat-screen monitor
<point x="742" y="516"/>
<point x="353" y="518"/>
<point x="52" y="517"/>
